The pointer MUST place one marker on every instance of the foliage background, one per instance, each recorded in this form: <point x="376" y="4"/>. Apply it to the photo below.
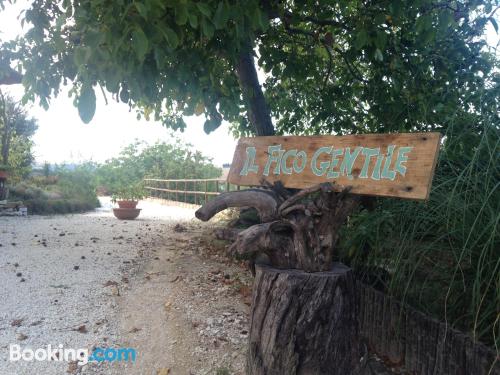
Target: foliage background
<point x="174" y="160"/>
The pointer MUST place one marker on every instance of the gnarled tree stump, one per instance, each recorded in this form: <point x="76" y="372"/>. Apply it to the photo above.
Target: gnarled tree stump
<point x="297" y="230"/>
<point x="304" y="313"/>
<point x="303" y="323"/>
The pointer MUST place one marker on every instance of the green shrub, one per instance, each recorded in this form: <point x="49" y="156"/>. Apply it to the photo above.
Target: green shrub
<point x="137" y="161"/>
<point x="71" y="191"/>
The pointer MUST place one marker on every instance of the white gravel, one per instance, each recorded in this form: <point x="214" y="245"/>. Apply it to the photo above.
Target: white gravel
<point x="52" y="275"/>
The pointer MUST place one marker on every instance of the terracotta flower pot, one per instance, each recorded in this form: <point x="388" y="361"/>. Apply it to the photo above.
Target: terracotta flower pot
<point x="3" y="174"/>
<point x="127" y="204"/>
<point x="126" y="213"/>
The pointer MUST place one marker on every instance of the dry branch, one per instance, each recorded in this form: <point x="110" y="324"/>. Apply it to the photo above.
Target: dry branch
<point x="265" y="201"/>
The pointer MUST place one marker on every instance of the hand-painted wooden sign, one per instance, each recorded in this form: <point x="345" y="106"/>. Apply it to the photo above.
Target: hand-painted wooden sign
<point x="394" y="165"/>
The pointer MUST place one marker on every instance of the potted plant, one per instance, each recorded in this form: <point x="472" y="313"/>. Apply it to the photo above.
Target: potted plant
<point x="127" y="198"/>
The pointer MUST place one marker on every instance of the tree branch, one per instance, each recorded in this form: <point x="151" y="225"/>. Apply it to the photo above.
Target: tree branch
<point x="265" y="201"/>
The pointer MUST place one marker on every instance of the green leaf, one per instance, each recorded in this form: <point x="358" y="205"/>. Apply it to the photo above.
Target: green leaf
<point x="170" y="35"/>
<point x="193" y="20"/>
<point x="378" y="55"/>
<point x="264" y="21"/>
<point x="210" y="125"/>
<point x="140" y="43"/>
<point x="141" y="8"/>
<point x="82" y="55"/>
<point x="86" y="103"/>
<point x="181" y="14"/>
<point x="379" y="19"/>
<point x="361" y="39"/>
<point x="381" y="40"/>
<point x="207" y="28"/>
<point x="423" y="23"/>
<point x="124" y="95"/>
<point x="221" y="16"/>
<point x="204" y="9"/>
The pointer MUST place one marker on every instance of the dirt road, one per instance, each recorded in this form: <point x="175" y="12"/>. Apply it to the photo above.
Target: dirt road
<point x="154" y="285"/>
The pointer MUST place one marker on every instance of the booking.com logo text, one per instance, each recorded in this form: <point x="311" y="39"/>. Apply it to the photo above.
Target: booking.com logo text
<point x="61" y="354"/>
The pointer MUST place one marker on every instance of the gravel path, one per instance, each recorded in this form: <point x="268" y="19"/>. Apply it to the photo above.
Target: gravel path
<point x="57" y="276"/>
<point x="160" y="284"/>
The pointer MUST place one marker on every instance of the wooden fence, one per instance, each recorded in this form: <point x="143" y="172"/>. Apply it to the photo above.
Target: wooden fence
<point x="423" y="345"/>
<point x="193" y="191"/>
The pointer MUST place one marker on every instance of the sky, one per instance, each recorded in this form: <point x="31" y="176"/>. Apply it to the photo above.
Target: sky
<point x="63" y="138"/>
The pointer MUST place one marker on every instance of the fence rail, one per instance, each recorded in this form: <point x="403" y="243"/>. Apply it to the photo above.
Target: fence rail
<point x="194" y="191"/>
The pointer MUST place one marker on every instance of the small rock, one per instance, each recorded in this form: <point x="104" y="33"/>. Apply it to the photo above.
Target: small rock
<point x="76" y="268"/>
<point x="179" y="228"/>
<point x="16" y="322"/>
<point x="19" y="274"/>
<point x="82" y="329"/>
<point x="22" y="337"/>
<point x="72" y="367"/>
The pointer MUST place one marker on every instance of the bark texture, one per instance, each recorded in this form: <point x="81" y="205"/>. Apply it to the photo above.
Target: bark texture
<point x="303" y="323"/>
<point x="257" y="108"/>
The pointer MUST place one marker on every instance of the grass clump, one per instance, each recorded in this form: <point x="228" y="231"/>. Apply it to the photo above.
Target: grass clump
<point x="441" y="256"/>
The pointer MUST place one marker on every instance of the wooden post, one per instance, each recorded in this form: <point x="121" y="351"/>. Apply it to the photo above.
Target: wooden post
<point x="303" y="323"/>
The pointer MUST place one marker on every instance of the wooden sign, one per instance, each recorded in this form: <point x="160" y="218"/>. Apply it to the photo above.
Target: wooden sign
<point x="392" y="165"/>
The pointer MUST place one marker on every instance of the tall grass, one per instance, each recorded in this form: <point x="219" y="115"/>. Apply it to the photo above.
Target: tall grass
<point x="441" y="256"/>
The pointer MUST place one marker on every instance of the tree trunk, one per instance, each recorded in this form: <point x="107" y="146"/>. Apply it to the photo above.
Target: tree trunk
<point x="257" y="108"/>
<point x="6" y="130"/>
<point x="303" y="323"/>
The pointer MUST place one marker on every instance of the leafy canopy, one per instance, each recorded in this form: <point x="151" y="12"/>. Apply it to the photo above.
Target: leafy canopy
<point x="343" y="66"/>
